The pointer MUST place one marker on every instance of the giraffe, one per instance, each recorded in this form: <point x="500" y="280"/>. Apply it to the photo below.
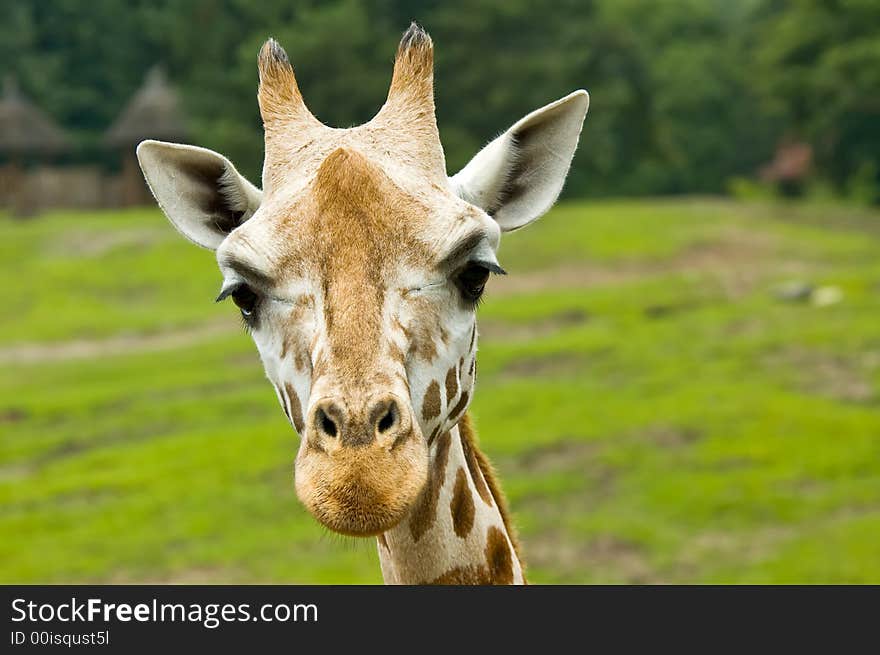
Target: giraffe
<point x="357" y="270"/>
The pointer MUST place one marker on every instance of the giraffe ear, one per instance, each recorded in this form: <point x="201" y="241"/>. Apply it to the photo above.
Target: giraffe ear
<point x="518" y="176"/>
<point x="200" y="191"/>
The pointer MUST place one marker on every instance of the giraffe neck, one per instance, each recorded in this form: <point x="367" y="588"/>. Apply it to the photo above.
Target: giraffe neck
<point x="457" y="531"/>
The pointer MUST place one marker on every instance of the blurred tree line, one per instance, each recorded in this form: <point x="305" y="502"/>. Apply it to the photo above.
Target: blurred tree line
<point x="686" y="94"/>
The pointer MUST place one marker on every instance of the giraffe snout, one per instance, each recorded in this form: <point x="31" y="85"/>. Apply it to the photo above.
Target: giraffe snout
<point x="384" y="420"/>
<point x="362" y="464"/>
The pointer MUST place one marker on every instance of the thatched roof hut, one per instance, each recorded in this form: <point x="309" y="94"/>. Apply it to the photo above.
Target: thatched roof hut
<point x="25" y="130"/>
<point x="153" y="113"/>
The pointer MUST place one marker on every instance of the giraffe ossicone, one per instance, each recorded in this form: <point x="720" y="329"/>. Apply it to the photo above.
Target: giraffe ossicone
<point x="357" y="269"/>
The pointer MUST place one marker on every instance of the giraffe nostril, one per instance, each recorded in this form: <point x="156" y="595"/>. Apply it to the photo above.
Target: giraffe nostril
<point x="387" y="421"/>
<point x="327" y="424"/>
<point x="385" y="416"/>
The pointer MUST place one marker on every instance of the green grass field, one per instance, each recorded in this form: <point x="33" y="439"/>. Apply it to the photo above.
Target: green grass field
<point x="656" y="412"/>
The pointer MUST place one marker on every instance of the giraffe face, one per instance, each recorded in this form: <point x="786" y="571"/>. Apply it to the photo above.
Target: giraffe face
<point x="361" y="296"/>
<point x="358" y="268"/>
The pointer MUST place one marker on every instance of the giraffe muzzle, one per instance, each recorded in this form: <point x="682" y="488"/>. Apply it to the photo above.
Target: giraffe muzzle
<point x="361" y="466"/>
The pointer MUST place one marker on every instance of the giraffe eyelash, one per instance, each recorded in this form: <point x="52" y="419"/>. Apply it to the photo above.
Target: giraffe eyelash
<point x="248" y="327"/>
<point x="471" y="280"/>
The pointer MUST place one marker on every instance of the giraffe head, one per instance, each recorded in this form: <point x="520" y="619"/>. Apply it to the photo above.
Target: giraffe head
<point x="359" y="266"/>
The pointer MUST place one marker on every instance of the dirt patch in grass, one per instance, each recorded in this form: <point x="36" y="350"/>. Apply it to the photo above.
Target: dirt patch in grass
<point x="12" y="415"/>
<point x="730" y="464"/>
<point x="75" y="448"/>
<point x="124" y="344"/>
<point x="841" y="379"/>
<point x="557" y="365"/>
<point x="752" y="326"/>
<point x="586" y="479"/>
<point x="561" y="456"/>
<point x="95" y="244"/>
<point x="496" y="330"/>
<point x="846" y="378"/>
<point x="737" y="259"/>
<point x="15" y="471"/>
<point x="547" y="545"/>
<point x="665" y="310"/>
<point x="71" y="501"/>
<point x="249" y="360"/>
<point x="572" y="558"/>
<point x="706" y="549"/>
<point x="572" y="276"/>
<point x="670" y="436"/>
<point x="196" y="575"/>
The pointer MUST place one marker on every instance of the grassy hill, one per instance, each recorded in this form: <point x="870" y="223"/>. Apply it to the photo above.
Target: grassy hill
<point x="657" y="412"/>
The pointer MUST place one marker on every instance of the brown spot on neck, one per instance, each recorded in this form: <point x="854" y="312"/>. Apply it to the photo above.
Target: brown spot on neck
<point x="451" y="384"/>
<point x="463" y="575"/>
<point x="476" y="472"/>
<point x="431" y="402"/>
<point x="497" y="570"/>
<point x="459" y="406"/>
<point x="462" y="505"/>
<point x="468" y="435"/>
<point x="499" y="557"/>
<point x="425" y="510"/>
<point x="283" y="402"/>
<point x="296" y="414"/>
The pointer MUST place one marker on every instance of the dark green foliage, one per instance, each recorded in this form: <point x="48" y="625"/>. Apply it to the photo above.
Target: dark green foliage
<point x="685" y="94"/>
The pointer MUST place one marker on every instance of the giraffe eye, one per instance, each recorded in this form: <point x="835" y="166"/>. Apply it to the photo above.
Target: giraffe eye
<point x="471" y="281"/>
<point x="245" y="299"/>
